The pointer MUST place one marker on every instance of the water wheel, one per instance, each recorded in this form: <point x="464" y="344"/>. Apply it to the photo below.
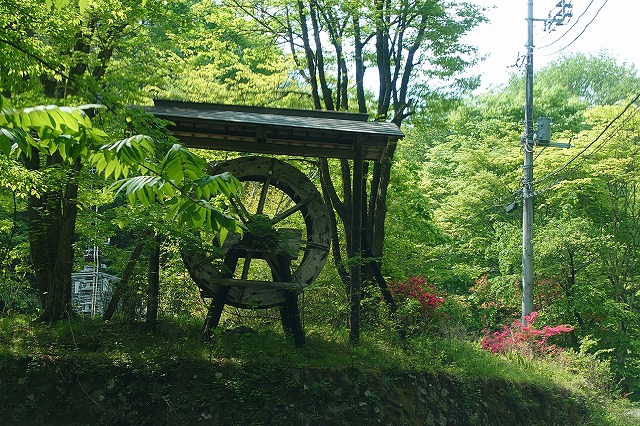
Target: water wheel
<point x="283" y="251"/>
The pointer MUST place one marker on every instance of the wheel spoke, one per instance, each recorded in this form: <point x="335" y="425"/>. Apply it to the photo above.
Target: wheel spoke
<point x="245" y="267"/>
<point x="265" y="189"/>
<point x="291" y="210"/>
<point x="240" y="209"/>
<point x="283" y="194"/>
<point x="311" y="244"/>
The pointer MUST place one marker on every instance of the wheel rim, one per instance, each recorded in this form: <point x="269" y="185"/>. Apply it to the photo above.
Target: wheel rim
<point x="289" y="199"/>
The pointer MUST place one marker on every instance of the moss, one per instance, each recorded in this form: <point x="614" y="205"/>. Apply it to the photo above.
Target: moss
<point x="261" y="235"/>
<point x="74" y="392"/>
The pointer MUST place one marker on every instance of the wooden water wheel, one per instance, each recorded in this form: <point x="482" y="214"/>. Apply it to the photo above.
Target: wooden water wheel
<point x="283" y="251"/>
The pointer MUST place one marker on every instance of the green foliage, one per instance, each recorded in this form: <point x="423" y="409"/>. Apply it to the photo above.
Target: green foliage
<point x="217" y="55"/>
<point x="585" y="248"/>
<point x="244" y="364"/>
<point x="65" y="130"/>
<point x="178" y="181"/>
<point x="261" y="235"/>
<point x="410" y="230"/>
<point x="69" y="132"/>
<point x="418" y="305"/>
<point x="82" y="4"/>
<point x="596" y="79"/>
<point x="457" y="170"/>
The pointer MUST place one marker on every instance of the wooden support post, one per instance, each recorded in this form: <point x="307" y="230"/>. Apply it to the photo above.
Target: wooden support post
<point x="218" y="302"/>
<point x="289" y="310"/>
<point x="284" y="317"/>
<point x="292" y="314"/>
<point x="355" y="270"/>
<point x="215" y="311"/>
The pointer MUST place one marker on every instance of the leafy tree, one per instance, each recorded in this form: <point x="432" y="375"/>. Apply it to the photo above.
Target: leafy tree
<point x="67" y="138"/>
<point x="64" y="136"/>
<point x="109" y="50"/>
<point x="214" y="55"/>
<point x="585" y="244"/>
<point x="408" y="44"/>
<point x="67" y="51"/>
<point x="595" y="79"/>
<point x="586" y="239"/>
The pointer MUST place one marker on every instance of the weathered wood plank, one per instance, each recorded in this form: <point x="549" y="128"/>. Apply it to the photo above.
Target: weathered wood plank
<point x="232" y="282"/>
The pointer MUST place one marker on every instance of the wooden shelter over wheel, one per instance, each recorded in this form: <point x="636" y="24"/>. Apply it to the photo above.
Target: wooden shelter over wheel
<point x="289" y="228"/>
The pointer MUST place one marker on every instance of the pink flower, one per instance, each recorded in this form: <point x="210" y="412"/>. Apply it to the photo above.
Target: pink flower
<point x="524" y="338"/>
<point x="417" y="288"/>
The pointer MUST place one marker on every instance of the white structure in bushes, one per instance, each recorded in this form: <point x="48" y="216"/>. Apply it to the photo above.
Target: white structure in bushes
<point x="91" y="290"/>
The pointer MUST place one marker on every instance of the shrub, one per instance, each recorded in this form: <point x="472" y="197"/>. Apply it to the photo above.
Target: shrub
<point x="524" y="339"/>
<point x="417" y="302"/>
<point x="495" y="299"/>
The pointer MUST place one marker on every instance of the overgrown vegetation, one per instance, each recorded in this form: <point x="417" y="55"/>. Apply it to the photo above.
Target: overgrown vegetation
<point x="378" y="380"/>
<point x="447" y="236"/>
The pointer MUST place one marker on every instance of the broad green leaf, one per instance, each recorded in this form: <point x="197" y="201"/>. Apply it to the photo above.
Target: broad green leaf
<point x="51" y="146"/>
<point x="98" y="133"/>
<point x="62" y="146"/>
<point x="22" y="120"/>
<point x="109" y="169"/>
<point x="82" y="117"/>
<point x="66" y="119"/>
<point x="10" y="138"/>
<point x="76" y="151"/>
<point x="41" y="119"/>
<point x="222" y="234"/>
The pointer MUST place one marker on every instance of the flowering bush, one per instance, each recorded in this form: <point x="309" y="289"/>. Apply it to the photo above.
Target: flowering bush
<point x="417" y="302"/>
<point x="417" y="288"/>
<point x="496" y="300"/>
<point x="524" y="339"/>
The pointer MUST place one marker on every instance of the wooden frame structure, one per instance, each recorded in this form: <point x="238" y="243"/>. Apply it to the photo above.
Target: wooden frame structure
<point x="308" y="133"/>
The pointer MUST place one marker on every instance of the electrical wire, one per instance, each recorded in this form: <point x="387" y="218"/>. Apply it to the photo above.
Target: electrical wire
<point x="570" y="28"/>
<point x="586" y="157"/>
<point x="581" y="32"/>
<point x="607" y="127"/>
<point x="539" y="153"/>
<point x="575" y="157"/>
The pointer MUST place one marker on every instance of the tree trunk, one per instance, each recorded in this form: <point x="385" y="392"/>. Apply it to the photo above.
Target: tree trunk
<point x="311" y="65"/>
<point x="51" y="219"/>
<point x="126" y="275"/>
<point x="378" y="204"/>
<point x="63" y="266"/>
<point x="154" y="285"/>
<point x="359" y="59"/>
<point x="331" y="199"/>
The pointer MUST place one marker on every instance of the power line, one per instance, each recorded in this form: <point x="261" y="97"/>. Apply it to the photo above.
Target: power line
<point x="581" y="32"/>
<point x="570" y="28"/>
<point x="586" y="157"/>
<point x="575" y="157"/>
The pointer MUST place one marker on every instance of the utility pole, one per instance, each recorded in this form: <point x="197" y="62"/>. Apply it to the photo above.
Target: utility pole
<point x="528" y="143"/>
<point x="527" y="178"/>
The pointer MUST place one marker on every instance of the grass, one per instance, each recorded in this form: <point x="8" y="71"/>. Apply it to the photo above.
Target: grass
<point x="325" y="347"/>
<point x="175" y="341"/>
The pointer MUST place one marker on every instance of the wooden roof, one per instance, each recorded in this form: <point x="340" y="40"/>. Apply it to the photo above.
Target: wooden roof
<point x="308" y="133"/>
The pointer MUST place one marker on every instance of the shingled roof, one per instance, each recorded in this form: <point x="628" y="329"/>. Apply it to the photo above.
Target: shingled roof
<point x="308" y="133"/>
